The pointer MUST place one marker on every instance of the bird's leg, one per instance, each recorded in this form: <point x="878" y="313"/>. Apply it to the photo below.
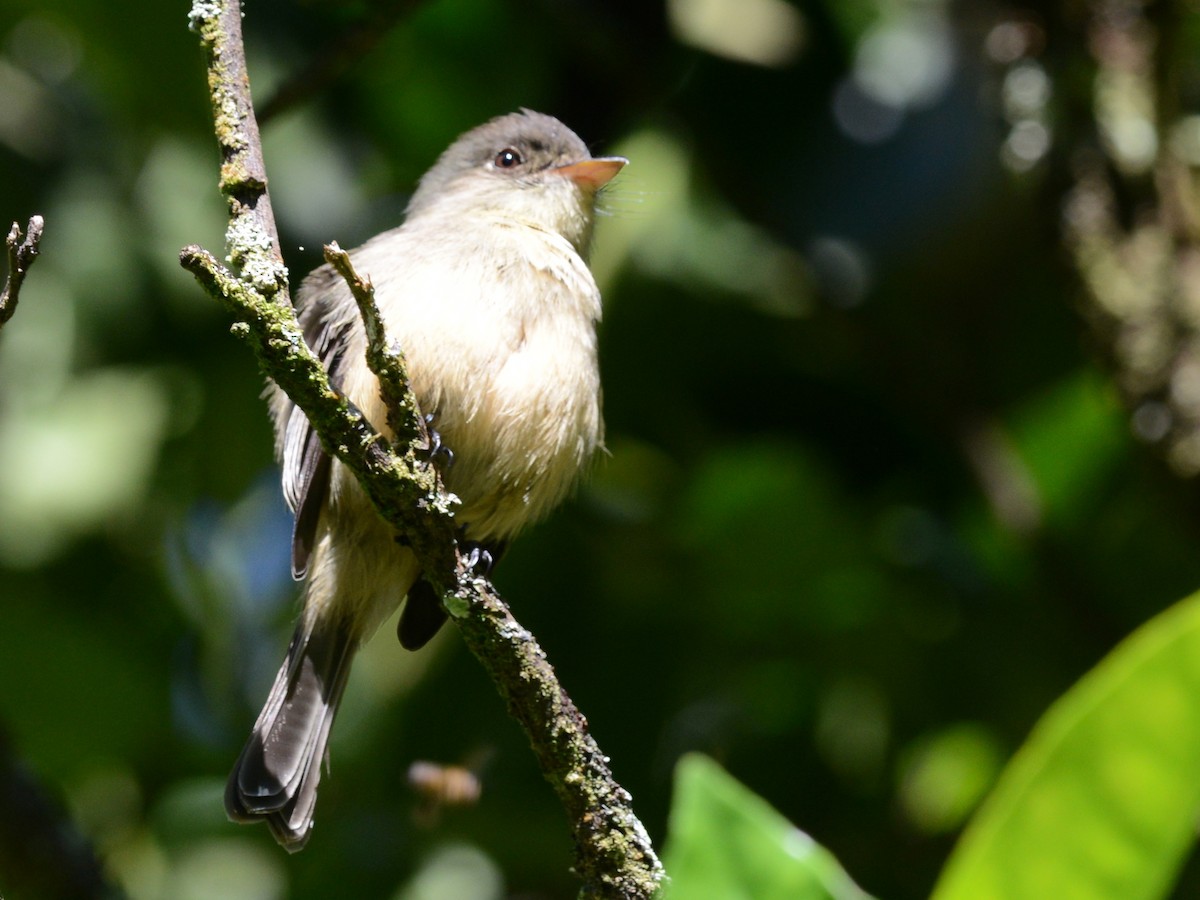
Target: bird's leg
<point x="423" y="613"/>
<point x="421" y="616"/>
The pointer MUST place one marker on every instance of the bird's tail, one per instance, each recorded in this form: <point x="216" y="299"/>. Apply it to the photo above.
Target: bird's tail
<point x="277" y="774"/>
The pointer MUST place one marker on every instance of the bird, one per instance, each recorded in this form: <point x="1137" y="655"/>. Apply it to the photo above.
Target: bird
<point x="486" y="288"/>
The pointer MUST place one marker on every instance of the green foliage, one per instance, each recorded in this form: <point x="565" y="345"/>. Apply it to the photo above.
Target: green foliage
<point x="1102" y="800"/>
<point x="728" y="844"/>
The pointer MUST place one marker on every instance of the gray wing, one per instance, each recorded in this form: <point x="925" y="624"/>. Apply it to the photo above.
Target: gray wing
<point x="305" y="463"/>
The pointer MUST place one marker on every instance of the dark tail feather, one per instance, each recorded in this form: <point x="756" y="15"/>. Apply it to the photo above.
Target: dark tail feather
<point x="277" y="774"/>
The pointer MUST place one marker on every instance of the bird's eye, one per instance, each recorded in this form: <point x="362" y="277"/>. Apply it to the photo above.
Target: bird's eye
<point x="508" y="158"/>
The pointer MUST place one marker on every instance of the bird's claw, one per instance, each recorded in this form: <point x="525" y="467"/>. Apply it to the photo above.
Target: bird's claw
<point x="436" y="452"/>
<point x="479" y="559"/>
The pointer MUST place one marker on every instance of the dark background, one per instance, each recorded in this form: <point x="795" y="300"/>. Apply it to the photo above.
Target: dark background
<point x="872" y="499"/>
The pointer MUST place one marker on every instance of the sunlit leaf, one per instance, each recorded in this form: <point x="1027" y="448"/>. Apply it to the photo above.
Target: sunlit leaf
<point x="727" y="843"/>
<point x="1102" y="800"/>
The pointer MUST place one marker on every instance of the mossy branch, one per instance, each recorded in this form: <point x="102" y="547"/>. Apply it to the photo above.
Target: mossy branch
<point x="614" y="856"/>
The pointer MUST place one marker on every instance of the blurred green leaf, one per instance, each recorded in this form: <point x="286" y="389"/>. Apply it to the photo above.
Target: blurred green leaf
<point x="1102" y="799"/>
<point x="1071" y="436"/>
<point x="67" y="466"/>
<point x="728" y="843"/>
<point x="945" y="775"/>
<point x="230" y="868"/>
<point x="455" y="872"/>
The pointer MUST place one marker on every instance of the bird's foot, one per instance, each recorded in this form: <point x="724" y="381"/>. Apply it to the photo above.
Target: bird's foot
<point x="436" y="452"/>
<point x="480" y="558"/>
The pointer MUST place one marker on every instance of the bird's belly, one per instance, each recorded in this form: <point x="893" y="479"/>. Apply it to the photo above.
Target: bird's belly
<point x="525" y="433"/>
<point x="501" y="349"/>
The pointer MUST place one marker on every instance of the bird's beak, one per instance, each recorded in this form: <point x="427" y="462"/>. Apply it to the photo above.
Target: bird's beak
<point x="592" y="174"/>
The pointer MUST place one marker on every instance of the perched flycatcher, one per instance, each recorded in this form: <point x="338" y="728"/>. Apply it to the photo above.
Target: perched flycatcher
<point x="486" y="288"/>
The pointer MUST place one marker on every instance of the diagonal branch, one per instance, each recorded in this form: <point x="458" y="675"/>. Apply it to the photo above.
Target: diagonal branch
<point x="21" y="254"/>
<point x="614" y="856"/>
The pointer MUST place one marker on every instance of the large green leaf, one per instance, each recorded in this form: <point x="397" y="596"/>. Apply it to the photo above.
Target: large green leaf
<point x="1102" y="800"/>
<point x="727" y="843"/>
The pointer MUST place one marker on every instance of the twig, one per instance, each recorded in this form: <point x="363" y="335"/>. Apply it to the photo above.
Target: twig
<point x="404" y="419"/>
<point x="614" y="857"/>
<point x="398" y="488"/>
<point x="21" y="254"/>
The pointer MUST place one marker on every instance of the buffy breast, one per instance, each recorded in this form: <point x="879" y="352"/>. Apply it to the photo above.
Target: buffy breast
<point x="533" y="426"/>
<point x="501" y="349"/>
